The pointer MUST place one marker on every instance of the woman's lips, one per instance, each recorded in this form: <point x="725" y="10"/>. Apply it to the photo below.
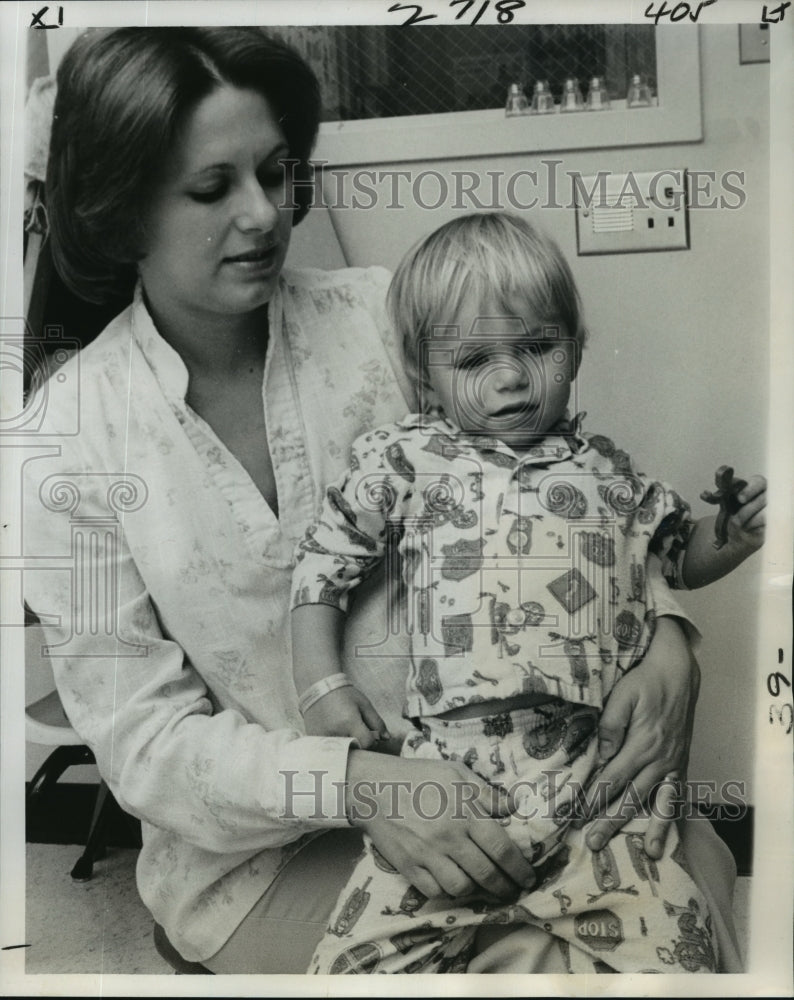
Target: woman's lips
<point x="256" y="260"/>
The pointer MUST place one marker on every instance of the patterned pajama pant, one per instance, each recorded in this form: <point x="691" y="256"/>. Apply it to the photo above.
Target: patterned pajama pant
<point x="610" y="910"/>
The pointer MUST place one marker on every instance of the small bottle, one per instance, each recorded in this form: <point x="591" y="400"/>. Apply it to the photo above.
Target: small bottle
<point x="542" y="101"/>
<point x="639" y="95"/>
<point x="517" y="103"/>
<point x="597" y="96"/>
<point x="571" y="96"/>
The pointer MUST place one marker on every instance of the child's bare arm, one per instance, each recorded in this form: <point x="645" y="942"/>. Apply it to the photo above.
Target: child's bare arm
<point x="718" y="544"/>
<point x="329" y="710"/>
<point x="317" y="631"/>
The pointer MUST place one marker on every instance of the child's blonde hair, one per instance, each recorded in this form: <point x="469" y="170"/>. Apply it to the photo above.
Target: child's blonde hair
<point x="491" y="256"/>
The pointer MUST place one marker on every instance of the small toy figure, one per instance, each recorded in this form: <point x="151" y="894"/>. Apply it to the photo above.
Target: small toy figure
<point x="726" y="495"/>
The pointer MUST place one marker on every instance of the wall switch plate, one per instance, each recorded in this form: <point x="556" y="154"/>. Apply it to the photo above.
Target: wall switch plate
<point x="753" y="43"/>
<point x="632" y="213"/>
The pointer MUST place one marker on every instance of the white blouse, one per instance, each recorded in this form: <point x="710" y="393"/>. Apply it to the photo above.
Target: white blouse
<point x="162" y="579"/>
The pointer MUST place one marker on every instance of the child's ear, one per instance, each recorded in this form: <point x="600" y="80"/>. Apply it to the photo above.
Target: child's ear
<point x="429" y="401"/>
<point x="426" y="398"/>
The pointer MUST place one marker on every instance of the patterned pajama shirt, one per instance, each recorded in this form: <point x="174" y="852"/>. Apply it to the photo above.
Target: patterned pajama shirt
<point x="522" y="575"/>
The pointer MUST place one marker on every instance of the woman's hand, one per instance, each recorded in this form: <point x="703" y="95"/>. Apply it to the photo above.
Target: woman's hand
<point x="434" y="821"/>
<point x="346" y="712"/>
<point x="645" y="734"/>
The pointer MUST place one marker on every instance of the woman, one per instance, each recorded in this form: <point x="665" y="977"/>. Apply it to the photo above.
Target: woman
<point x="209" y="415"/>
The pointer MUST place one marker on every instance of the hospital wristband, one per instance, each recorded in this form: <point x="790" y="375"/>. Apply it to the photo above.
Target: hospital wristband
<point x="320" y="689"/>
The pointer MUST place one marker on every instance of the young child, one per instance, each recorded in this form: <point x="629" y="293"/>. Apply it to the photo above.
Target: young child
<point x="523" y="544"/>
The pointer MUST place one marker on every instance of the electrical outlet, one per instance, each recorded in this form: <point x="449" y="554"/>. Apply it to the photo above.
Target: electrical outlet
<point x="632" y="213"/>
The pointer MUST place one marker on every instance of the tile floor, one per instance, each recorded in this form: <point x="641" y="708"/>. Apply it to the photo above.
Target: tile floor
<point x="96" y="927"/>
<point x="101" y="926"/>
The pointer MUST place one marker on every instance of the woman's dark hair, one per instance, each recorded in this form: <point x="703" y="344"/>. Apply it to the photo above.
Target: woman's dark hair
<point x="123" y="96"/>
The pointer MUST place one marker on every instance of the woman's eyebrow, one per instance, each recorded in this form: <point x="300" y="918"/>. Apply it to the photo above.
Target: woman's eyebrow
<point x="208" y="169"/>
<point x="281" y="150"/>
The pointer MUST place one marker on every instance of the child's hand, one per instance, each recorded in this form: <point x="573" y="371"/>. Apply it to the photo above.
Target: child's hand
<point x="346" y="712"/>
<point x="741" y="520"/>
<point x="746" y="527"/>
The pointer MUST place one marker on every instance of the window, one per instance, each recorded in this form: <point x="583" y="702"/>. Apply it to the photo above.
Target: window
<point x="394" y="94"/>
<point x="384" y="72"/>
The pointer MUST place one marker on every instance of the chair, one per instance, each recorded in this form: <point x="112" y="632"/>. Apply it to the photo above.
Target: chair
<point x="47" y="725"/>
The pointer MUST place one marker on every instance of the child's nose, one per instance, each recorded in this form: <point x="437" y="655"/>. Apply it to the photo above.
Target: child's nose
<point x="509" y="375"/>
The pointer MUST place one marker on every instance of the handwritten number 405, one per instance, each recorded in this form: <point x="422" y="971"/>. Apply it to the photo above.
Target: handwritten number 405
<point x="678" y="11"/>
<point x="504" y="10"/>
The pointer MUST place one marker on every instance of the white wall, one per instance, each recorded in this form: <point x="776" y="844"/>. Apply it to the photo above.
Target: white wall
<point x="676" y="369"/>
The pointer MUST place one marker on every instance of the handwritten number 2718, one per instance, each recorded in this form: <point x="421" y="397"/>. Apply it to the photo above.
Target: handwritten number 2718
<point x="504" y="10"/>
